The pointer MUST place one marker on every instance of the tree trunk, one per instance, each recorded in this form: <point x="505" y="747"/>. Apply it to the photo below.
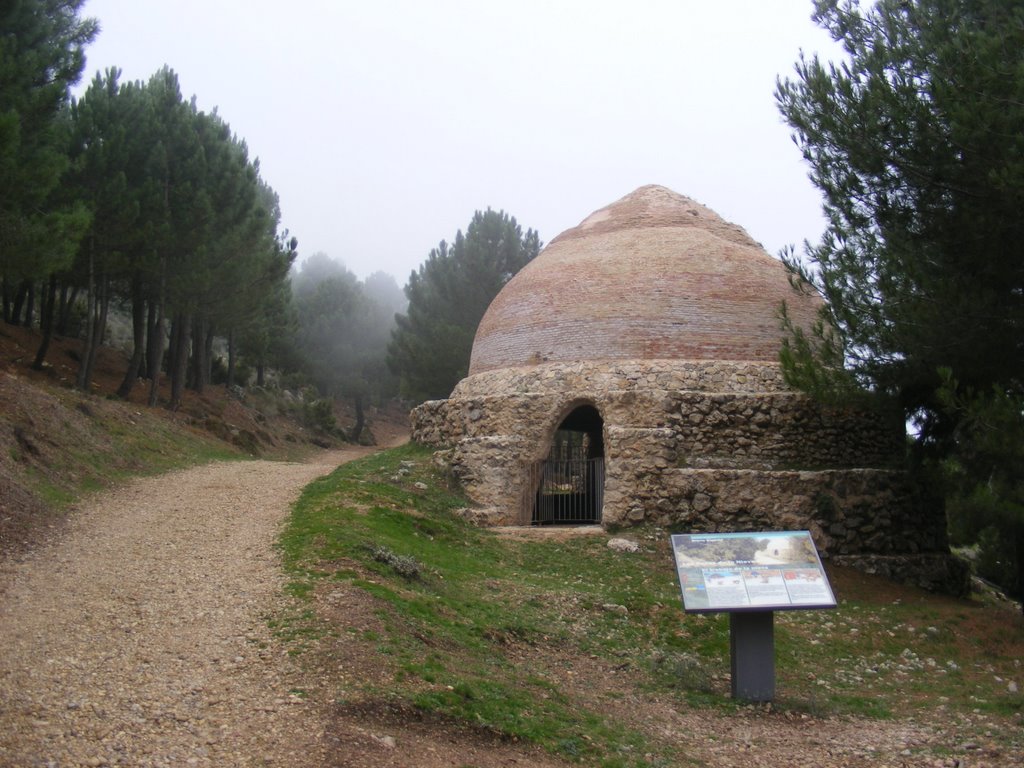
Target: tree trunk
<point x="82" y="381"/>
<point x="260" y="367"/>
<point x="155" y="347"/>
<point x="99" y="328"/>
<point x="5" y="289"/>
<point x="357" y="430"/>
<point x="24" y="290"/>
<point x="180" y="356"/>
<point x="200" y="364"/>
<point x="66" y="304"/>
<point x="138" y="338"/>
<point x="46" y="316"/>
<point x="1018" y="540"/>
<point x="150" y="338"/>
<point x="30" y="304"/>
<point x="208" y="354"/>
<point x="156" y="350"/>
<point x="231" y="360"/>
<point x="172" y="345"/>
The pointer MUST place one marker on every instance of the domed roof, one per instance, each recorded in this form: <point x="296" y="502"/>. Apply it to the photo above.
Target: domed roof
<point x="652" y="276"/>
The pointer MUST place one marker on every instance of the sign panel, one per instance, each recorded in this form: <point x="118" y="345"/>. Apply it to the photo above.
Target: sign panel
<point x="769" y="571"/>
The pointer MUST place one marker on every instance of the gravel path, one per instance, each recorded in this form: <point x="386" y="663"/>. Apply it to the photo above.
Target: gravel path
<point x="139" y="637"/>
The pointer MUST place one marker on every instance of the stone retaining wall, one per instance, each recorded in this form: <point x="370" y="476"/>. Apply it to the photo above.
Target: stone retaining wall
<point x="693" y="429"/>
<point x="847" y="511"/>
<point x="695" y="446"/>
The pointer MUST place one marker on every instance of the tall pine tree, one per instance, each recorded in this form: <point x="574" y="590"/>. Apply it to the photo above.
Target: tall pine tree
<point x="42" y="46"/>
<point x="448" y="295"/>
<point x="917" y="142"/>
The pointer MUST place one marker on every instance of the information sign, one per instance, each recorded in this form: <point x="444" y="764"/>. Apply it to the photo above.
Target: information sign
<point x="769" y="571"/>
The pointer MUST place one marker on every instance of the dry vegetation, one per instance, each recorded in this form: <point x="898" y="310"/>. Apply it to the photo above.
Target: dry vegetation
<point x="57" y="442"/>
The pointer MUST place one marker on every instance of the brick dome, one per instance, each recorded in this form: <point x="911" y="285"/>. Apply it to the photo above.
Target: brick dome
<point x="652" y="276"/>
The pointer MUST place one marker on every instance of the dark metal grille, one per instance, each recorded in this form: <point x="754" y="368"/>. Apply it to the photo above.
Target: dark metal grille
<point x="568" y="492"/>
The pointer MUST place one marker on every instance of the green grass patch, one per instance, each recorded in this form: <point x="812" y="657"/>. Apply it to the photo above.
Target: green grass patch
<point x="495" y="630"/>
<point x="110" y="451"/>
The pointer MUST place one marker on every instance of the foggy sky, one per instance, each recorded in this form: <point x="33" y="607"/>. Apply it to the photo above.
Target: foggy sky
<point x="384" y="125"/>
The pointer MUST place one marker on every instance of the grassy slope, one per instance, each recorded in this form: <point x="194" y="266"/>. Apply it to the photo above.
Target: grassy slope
<point x="482" y="627"/>
<point x="57" y="443"/>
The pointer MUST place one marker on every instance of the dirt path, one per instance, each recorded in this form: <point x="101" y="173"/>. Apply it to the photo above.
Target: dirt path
<point x="140" y="637"/>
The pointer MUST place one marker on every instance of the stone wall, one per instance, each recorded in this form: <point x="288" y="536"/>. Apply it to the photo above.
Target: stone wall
<point x="603" y="376"/>
<point x="694" y="446"/>
<point x="692" y="428"/>
<point x="780" y="430"/>
<point x="847" y="511"/>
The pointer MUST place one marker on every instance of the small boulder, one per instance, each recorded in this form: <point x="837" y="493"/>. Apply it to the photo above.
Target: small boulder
<point x="623" y="545"/>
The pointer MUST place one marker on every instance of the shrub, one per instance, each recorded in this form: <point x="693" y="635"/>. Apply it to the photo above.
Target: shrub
<point x="405" y="566"/>
<point x="319" y="415"/>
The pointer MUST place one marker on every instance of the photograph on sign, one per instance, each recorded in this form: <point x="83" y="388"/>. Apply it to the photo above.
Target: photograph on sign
<point x="772" y="570"/>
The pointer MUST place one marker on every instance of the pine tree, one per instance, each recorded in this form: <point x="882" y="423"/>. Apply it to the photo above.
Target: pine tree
<point x="448" y="295"/>
<point x="917" y="142"/>
<point x="41" y="56"/>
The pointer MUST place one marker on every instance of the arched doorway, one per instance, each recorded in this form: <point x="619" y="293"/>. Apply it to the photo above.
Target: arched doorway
<point x="570" y="481"/>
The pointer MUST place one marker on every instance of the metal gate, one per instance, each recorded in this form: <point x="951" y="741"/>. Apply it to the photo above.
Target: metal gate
<point x="568" y="492"/>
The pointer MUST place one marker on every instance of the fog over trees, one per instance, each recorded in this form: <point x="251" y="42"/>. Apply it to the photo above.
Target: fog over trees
<point x="342" y="330"/>
<point x="131" y="201"/>
<point x="127" y="199"/>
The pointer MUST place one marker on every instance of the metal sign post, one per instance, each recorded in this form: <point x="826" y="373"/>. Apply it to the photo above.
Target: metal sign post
<point x="752" y="655"/>
<point x="750" y="576"/>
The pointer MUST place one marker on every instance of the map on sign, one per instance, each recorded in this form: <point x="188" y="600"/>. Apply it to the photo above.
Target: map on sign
<point x="769" y="571"/>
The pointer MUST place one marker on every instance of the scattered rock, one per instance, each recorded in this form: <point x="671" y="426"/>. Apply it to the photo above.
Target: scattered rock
<point x="623" y="545"/>
<point x="701" y="502"/>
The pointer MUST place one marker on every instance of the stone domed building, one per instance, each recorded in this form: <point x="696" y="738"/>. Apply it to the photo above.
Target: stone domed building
<point x="629" y="374"/>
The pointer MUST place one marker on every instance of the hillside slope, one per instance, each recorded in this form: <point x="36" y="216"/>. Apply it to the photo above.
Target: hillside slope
<point x="57" y="442"/>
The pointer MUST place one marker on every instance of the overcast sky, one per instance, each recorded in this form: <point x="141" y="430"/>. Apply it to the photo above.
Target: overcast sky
<point x="384" y="124"/>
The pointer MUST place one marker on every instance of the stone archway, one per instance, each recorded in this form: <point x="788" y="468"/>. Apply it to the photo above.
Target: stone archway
<point x="569" y="482"/>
